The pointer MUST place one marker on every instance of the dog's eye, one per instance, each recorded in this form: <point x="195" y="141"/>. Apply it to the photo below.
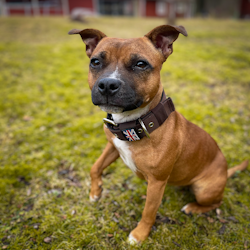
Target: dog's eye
<point x="94" y="62"/>
<point x="141" y="64"/>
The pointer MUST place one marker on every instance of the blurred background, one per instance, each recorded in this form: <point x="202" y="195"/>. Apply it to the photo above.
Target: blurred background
<point x="51" y="133"/>
<point x="138" y="8"/>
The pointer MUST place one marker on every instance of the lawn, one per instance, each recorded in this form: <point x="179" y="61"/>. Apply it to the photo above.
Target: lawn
<point x="51" y="134"/>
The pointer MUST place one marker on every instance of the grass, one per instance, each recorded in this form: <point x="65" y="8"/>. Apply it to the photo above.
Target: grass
<point x="51" y="134"/>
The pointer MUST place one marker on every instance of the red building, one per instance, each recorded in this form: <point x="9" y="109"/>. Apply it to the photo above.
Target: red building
<point x="245" y="9"/>
<point x="148" y="8"/>
<point x="44" y="7"/>
<point x="152" y="8"/>
<point x="178" y="8"/>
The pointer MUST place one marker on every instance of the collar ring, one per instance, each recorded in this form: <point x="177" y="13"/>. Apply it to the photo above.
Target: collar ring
<point x="144" y="127"/>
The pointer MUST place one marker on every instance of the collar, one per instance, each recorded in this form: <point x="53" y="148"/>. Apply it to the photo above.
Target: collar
<point x="143" y="126"/>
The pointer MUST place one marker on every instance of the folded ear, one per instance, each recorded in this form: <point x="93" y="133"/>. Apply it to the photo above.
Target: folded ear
<point x="90" y="37"/>
<point x="163" y="37"/>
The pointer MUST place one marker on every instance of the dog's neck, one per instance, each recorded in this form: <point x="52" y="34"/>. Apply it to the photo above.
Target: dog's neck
<point x="132" y="115"/>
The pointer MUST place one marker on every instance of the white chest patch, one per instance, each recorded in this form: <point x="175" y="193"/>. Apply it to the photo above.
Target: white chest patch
<point x="125" y="153"/>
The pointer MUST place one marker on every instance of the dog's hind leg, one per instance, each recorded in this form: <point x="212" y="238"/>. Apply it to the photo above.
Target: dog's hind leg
<point x="208" y="190"/>
<point x="109" y="155"/>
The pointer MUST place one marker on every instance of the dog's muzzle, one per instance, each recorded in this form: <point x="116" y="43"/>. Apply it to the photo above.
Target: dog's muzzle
<point x="114" y="96"/>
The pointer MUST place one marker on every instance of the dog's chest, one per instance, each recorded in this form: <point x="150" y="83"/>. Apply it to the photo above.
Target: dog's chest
<point x="125" y="153"/>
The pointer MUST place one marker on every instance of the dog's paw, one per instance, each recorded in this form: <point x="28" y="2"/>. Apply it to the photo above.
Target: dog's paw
<point x="195" y="208"/>
<point x="186" y="210"/>
<point x="132" y="240"/>
<point x="94" y="198"/>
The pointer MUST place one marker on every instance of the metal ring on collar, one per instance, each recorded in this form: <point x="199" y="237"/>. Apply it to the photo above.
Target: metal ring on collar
<point x="105" y="120"/>
<point x="144" y="127"/>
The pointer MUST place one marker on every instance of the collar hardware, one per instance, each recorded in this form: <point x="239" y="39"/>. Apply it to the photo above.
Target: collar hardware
<point x="143" y="126"/>
<point x="106" y="120"/>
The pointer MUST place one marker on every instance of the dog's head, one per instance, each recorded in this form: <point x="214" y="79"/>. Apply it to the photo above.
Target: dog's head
<point x="124" y="74"/>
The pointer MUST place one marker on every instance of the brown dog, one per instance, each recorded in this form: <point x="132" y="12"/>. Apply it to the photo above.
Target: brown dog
<point x="143" y="128"/>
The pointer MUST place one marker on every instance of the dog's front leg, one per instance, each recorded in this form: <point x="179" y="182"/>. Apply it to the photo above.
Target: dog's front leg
<point x="109" y="155"/>
<point x="154" y="196"/>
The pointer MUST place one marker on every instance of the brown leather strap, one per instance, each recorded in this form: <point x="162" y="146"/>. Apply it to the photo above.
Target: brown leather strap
<point x="133" y="130"/>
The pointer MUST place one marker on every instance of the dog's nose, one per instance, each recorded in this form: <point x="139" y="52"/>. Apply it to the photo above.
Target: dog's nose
<point x="109" y="86"/>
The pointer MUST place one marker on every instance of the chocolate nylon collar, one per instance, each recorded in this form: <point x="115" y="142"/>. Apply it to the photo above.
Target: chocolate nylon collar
<point x="143" y="126"/>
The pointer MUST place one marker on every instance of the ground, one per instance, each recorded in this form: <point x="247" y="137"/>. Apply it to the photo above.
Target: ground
<point x="51" y="134"/>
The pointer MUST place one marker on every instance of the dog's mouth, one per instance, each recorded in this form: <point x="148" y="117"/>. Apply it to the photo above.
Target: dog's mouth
<point x="111" y="109"/>
<point x="114" y="109"/>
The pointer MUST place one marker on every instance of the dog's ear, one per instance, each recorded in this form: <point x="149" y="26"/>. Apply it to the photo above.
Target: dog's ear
<point x="163" y="37"/>
<point x="90" y="37"/>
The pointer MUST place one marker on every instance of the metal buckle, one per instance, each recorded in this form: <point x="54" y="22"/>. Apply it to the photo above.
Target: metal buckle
<point x="105" y="120"/>
<point x="144" y="127"/>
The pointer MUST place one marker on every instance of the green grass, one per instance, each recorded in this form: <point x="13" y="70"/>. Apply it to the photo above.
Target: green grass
<point x="51" y="134"/>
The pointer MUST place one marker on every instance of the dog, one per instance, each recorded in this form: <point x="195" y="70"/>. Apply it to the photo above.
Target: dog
<point x="142" y="127"/>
